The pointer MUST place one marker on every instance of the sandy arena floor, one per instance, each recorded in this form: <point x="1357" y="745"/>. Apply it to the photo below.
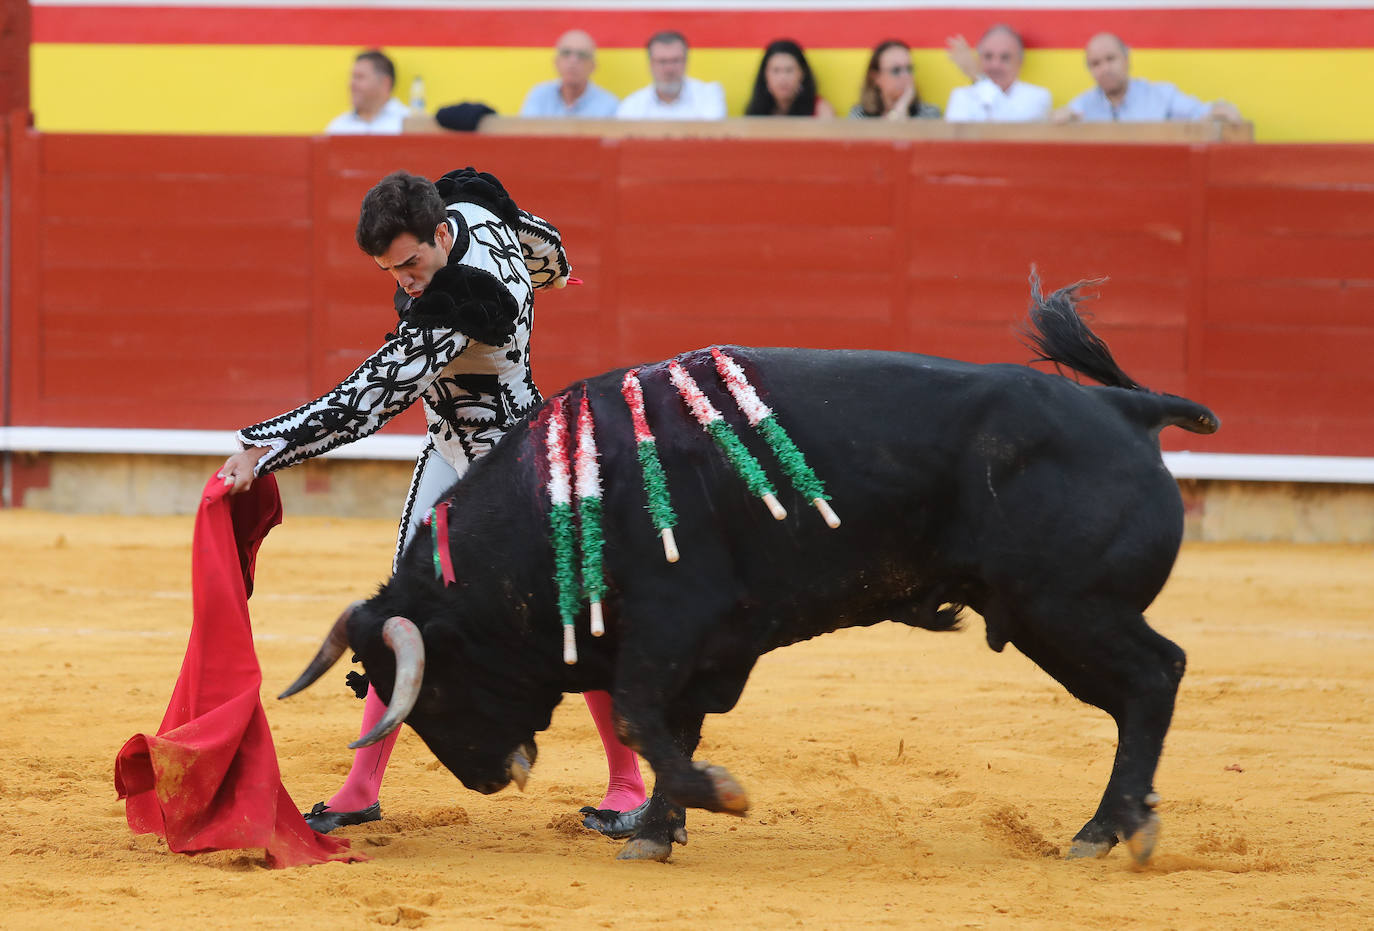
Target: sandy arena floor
<point x="898" y="777"/>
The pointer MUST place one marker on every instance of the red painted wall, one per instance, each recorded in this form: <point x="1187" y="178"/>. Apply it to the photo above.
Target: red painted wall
<point x="15" y="27"/>
<point x="206" y="282"/>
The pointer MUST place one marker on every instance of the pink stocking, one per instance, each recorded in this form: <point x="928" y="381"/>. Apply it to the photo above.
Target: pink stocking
<point x="364" y="782"/>
<point x="624" y="786"/>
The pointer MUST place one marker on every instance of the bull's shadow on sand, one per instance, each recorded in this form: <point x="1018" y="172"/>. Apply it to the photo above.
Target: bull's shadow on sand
<point x="1041" y="503"/>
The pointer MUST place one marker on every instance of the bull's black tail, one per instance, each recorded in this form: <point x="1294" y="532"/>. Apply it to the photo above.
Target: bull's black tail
<point x="1058" y="333"/>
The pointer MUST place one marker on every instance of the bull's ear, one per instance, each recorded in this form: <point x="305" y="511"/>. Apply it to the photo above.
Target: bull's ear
<point x="333" y="647"/>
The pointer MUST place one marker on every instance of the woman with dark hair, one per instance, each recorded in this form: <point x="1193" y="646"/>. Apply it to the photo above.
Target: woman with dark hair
<point x="889" y="89"/>
<point x="785" y="85"/>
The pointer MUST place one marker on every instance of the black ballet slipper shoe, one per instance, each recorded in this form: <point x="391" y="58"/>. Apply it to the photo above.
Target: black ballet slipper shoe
<point x="322" y="820"/>
<point x="612" y="823"/>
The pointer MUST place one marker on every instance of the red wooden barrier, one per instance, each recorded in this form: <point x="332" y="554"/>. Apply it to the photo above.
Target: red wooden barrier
<point x="200" y="282"/>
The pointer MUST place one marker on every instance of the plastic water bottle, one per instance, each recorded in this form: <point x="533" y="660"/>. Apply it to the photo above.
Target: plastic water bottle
<point x="417" y="94"/>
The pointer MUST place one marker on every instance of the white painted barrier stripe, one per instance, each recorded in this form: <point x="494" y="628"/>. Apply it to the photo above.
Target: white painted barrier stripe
<point x="1243" y="467"/>
<point x="183" y="442"/>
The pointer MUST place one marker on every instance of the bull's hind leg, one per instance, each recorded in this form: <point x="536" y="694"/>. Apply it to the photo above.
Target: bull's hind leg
<point x="1123" y="667"/>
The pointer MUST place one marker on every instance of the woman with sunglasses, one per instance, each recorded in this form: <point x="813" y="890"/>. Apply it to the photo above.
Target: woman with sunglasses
<point x="889" y="89"/>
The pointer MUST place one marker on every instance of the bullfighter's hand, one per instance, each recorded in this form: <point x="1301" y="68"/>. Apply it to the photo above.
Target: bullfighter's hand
<point x="238" y="468"/>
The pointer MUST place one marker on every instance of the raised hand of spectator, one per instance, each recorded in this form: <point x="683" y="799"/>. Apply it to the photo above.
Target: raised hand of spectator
<point x="963" y="56"/>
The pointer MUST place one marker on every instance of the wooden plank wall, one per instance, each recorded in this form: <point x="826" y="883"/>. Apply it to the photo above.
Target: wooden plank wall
<point x="205" y="282"/>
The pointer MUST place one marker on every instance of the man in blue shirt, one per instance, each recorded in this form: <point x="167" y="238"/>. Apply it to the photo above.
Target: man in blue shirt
<point x="1120" y="97"/>
<point x="572" y="93"/>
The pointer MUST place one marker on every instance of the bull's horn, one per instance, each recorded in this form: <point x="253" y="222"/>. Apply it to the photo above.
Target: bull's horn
<point x="404" y="639"/>
<point x="329" y="654"/>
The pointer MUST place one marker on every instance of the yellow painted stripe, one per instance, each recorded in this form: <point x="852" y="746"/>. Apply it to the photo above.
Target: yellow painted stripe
<point x="1292" y="95"/>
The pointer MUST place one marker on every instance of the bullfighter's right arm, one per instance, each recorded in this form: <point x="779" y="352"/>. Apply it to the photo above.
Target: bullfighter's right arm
<point x="542" y="246"/>
<point x="388" y="382"/>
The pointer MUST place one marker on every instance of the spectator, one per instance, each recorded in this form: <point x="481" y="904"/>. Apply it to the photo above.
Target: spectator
<point x="998" y="96"/>
<point x="1118" y="96"/>
<point x="889" y="89"/>
<point x="375" y="111"/>
<point x="572" y="93"/>
<point x="785" y="85"/>
<point x="673" y="95"/>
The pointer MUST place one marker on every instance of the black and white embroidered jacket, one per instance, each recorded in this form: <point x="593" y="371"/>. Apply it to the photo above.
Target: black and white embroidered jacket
<point x="462" y="346"/>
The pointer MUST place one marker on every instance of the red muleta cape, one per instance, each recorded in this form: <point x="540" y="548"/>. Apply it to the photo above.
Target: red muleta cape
<point x="209" y="780"/>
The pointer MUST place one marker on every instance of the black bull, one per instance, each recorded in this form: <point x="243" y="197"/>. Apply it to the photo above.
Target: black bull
<point x="1042" y="504"/>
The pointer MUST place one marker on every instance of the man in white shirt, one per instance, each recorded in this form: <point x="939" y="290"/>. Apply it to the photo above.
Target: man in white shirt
<point x="997" y="96"/>
<point x="572" y="93"/>
<point x="673" y="95"/>
<point x="375" y="111"/>
<point x="1120" y="97"/>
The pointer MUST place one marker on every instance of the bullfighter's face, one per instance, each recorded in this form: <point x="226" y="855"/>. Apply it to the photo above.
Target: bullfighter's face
<point x="412" y="262"/>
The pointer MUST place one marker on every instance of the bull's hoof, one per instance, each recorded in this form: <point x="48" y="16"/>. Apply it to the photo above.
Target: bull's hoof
<point x="1086" y="849"/>
<point x="642" y="848"/>
<point x="1142" y="843"/>
<point x="731" y="798"/>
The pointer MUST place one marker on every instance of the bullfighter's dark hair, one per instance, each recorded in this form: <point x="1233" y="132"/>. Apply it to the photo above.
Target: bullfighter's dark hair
<point x="666" y="37"/>
<point x="762" y="103"/>
<point x="381" y="62"/>
<point x="399" y="203"/>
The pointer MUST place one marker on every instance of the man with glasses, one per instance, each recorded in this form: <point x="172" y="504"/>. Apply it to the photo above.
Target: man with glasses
<point x="999" y="96"/>
<point x="572" y="93"/>
<point x="673" y="95"/>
